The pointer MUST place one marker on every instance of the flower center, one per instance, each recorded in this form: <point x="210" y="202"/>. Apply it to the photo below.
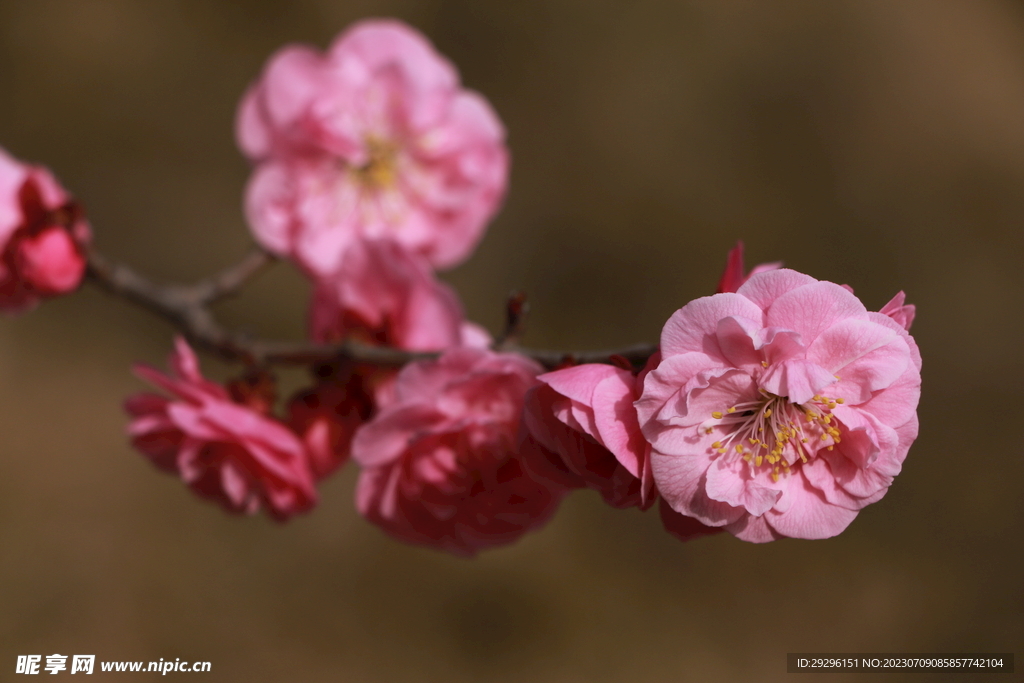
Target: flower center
<point x="772" y="434"/>
<point x="379" y="172"/>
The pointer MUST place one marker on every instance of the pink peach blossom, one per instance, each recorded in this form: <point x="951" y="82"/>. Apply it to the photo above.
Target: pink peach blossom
<point x="374" y="139"/>
<point x="43" y="236"/>
<point x="441" y="466"/>
<point x="584" y="416"/>
<point x="733" y="277"/>
<point x="781" y="409"/>
<point x="384" y="295"/>
<point x="223" y="450"/>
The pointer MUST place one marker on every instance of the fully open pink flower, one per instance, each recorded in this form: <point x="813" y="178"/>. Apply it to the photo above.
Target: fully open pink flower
<point x="384" y="295"/>
<point x="584" y="416"/>
<point x="374" y="139"/>
<point x="42" y="236"/>
<point x="223" y="450"/>
<point x="733" y="276"/>
<point x="441" y="463"/>
<point x="781" y="409"/>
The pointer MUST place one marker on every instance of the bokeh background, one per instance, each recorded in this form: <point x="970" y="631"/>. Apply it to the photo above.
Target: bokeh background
<point x="868" y="142"/>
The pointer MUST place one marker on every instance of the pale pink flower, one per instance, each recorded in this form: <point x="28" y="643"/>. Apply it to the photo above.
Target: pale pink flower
<point x="584" y="416"/>
<point x="733" y="276"/>
<point x="781" y="409"/>
<point x="374" y="139"/>
<point x="43" y="236"/>
<point x="441" y="466"/>
<point x="223" y="449"/>
<point x="384" y="295"/>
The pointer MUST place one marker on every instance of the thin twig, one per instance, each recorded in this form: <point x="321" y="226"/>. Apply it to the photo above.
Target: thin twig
<point x="230" y="280"/>
<point x="186" y="307"/>
<point x="516" y="310"/>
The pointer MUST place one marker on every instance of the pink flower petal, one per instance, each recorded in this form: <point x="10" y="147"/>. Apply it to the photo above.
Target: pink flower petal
<point x="764" y="288"/>
<point x="730" y="481"/>
<point x="809" y="515"/>
<point x="694" y="327"/>
<point x="681" y="481"/>
<point x="811" y="309"/>
<point x="798" y="380"/>
<point x="902" y="314"/>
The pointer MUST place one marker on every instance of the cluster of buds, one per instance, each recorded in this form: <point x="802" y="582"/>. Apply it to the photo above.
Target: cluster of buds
<point x="777" y="407"/>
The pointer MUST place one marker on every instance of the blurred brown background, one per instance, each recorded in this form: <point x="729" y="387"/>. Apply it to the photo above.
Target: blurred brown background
<point x="868" y="142"/>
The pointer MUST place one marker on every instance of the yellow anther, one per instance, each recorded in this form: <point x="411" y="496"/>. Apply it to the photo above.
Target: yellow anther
<point x="753" y="442"/>
<point x="837" y="376"/>
<point x="739" y="448"/>
<point x="708" y="430"/>
<point x="758" y="460"/>
<point x="824" y="437"/>
<point x="764" y="364"/>
<point x="775" y="476"/>
<point x="717" y="415"/>
<point x="717" y="444"/>
<point x="803" y="457"/>
<point x="839" y="400"/>
<point x="768" y="413"/>
<point x="746" y="456"/>
<point x="803" y="440"/>
<point x="731" y="410"/>
<point x="721" y="450"/>
<point x="831" y="447"/>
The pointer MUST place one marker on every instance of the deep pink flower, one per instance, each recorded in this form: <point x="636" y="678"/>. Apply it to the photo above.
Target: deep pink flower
<point x="384" y="295"/>
<point x="781" y="409"/>
<point x="224" y="450"/>
<point x="733" y="277"/>
<point x="43" y="236"/>
<point x="441" y="463"/>
<point x="374" y="139"/>
<point x="327" y="414"/>
<point x="584" y="416"/>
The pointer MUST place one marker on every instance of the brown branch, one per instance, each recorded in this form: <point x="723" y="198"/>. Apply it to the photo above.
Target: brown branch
<point x="230" y="280"/>
<point x="186" y="307"/>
